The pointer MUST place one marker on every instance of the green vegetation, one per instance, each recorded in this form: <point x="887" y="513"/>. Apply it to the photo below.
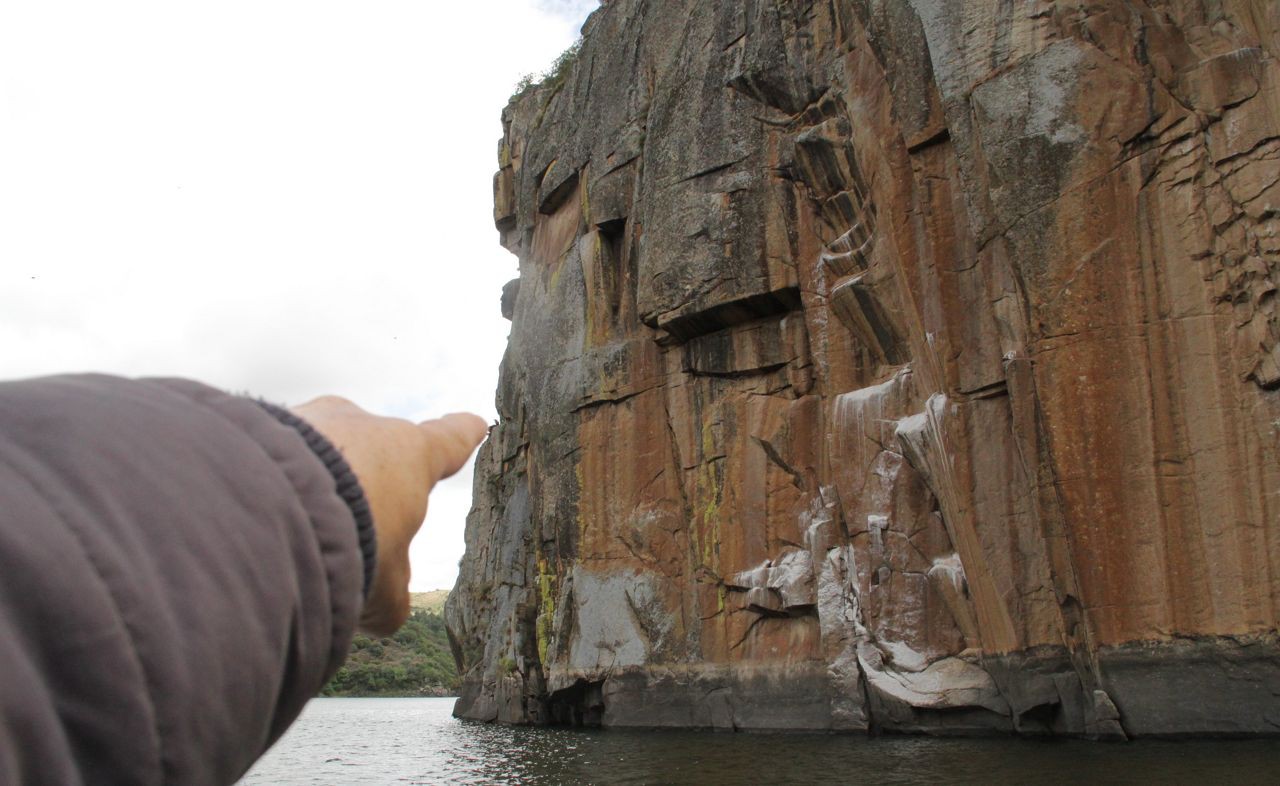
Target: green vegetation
<point x="432" y="601"/>
<point x="416" y="661"/>
<point x="554" y="75"/>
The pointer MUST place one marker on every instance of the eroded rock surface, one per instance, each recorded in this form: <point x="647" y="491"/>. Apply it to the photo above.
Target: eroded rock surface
<point x="888" y="365"/>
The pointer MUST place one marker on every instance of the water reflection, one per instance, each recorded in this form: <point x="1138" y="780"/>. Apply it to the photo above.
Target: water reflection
<point x="369" y="741"/>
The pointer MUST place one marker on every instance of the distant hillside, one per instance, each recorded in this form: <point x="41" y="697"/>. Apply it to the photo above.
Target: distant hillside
<point x="432" y="601"/>
<point x="416" y="661"/>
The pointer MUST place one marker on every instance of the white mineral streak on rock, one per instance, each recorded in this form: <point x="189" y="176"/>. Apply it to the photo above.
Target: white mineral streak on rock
<point x="926" y="443"/>
<point x="847" y="252"/>
<point x="780" y="584"/>
<point x="842" y="629"/>
<point x="946" y="575"/>
<point x="922" y="439"/>
<point x="854" y="398"/>
<point x="876" y="525"/>
<point x="902" y="656"/>
<point x="836" y="600"/>
<point x="861" y="423"/>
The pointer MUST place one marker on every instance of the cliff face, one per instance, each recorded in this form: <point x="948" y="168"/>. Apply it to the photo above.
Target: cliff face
<point x="888" y="365"/>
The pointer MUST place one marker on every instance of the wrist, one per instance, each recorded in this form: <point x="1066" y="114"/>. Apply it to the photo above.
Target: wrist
<point x="346" y="485"/>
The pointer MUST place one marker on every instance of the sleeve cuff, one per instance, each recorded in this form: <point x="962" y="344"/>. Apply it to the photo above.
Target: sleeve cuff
<point x="347" y="484"/>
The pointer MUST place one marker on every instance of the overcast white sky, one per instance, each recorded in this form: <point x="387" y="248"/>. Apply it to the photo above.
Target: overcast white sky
<point x="288" y="198"/>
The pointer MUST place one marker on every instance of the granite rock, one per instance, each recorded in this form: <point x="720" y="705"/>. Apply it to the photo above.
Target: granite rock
<point x="906" y="366"/>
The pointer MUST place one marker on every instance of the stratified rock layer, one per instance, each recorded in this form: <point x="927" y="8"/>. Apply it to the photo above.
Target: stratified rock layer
<point x="899" y="365"/>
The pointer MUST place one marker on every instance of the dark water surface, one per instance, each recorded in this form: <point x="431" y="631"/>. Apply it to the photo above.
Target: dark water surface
<point x="375" y="741"/>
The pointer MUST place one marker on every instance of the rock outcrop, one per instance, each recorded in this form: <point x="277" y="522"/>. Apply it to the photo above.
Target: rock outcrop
<point x="888" y="365"/>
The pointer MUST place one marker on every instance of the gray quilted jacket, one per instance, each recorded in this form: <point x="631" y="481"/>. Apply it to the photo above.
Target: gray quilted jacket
<point x="180" y="570"/>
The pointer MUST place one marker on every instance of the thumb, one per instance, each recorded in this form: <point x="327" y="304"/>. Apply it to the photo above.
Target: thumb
<point x="451" y="440"/>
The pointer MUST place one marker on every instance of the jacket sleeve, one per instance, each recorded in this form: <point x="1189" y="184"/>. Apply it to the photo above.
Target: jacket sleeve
<point x="180" y="571"/>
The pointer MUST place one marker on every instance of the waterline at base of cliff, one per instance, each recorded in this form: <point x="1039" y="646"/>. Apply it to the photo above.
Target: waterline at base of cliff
<point x="356" y="741"/>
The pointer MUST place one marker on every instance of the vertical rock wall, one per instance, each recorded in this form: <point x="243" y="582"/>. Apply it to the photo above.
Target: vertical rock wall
<point x="888" y="364"/>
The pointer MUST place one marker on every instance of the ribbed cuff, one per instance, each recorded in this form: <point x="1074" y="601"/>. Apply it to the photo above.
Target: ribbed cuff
<point x="348" y="485"/>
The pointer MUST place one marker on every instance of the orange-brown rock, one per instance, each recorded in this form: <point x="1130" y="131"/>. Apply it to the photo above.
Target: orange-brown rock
<point x="889" y="365"/>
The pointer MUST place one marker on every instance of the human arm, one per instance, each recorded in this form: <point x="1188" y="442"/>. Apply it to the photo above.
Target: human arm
<point x="178" y="576"/>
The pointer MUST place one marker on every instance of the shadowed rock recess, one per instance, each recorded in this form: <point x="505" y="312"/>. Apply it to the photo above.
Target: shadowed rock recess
<point x="888" y="365"/>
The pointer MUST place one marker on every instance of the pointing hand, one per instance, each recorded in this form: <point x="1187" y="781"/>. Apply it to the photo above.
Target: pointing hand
<point x="397" y="463"/>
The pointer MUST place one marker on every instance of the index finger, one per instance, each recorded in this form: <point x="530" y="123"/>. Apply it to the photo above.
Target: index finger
<point x="451" y="440"/>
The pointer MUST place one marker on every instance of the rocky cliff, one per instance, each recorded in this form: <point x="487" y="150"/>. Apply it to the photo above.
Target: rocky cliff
<point x="888" y="365"/>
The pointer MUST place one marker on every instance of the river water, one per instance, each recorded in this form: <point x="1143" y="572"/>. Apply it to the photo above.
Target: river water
<point x="394" y="741"/>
